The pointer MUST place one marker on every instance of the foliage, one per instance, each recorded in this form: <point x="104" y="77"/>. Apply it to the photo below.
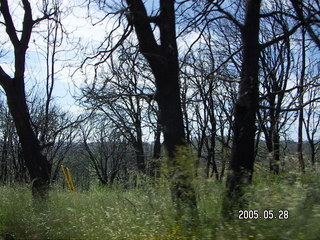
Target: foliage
<point x="146" y="212"/>
<point x="184" y="163"/>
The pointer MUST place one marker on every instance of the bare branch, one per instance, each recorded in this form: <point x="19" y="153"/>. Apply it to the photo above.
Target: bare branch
<point x="10" y="28"/>
<point x="280" y="38"/>
<point x="292" y="109"/>
<point x="4" y="77"/>
<point x="27" y="24"/>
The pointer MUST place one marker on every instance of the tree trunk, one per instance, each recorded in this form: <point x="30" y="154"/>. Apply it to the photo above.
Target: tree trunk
<point x="313" y="154"/>
<point x="38" y="166"/>
<point x="275" y="160"/>
<point x="171" y="115"/>
<point x="155" y="163"/>
<point x="300" y="96"/>
<point x="140" y="159"/>
<point x="224" y="158"/>
<point x="4" y="159"/>
<point x="242" y="153"/>
<point x="138" y="143"/>
<point x="212" y="148"/>
<point x="163" y="60"/>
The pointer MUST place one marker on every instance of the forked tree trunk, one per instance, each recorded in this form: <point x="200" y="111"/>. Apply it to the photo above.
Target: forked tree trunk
<point x="243" y="147"/>
<point x="163" y="60"/>
<point x="14" y="87"/>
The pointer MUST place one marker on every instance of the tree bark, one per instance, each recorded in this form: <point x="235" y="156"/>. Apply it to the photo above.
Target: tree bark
<point x="38" y="166"/>
<point x="140" y="159"/>
<point x="4" y="159"/>
<point x="155" y="162"/>
<point x="275" y="162"/>
<point x="246" y="107"/>
<point x="163" y="60"/>
<point x="300" y="96"/>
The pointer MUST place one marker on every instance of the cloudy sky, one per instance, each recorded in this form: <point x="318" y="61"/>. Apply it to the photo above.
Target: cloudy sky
<point x="82" y="35"/>
<point x="85" y="29"/>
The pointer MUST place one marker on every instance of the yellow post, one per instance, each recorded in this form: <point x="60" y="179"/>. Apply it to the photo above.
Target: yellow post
<point x="68" y="178"/>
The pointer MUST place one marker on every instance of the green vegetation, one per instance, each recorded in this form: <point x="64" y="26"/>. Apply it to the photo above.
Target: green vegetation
<point x="146" y="212"/>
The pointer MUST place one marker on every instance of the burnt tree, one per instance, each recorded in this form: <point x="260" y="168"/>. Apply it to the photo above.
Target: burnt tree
<point x="246" y="107"/>
<point x="163" y="60"/>
<point x="14" y="87"/>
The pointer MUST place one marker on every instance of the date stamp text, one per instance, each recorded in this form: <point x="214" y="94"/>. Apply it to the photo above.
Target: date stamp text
<point x="265" y="214"/>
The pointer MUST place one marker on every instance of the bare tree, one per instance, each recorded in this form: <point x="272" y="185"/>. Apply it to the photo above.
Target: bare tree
<point x="163" y="60"/>
<point x="308" y="13"/>
<point x="246" y="107"/>
<point x="121" y="94"/>
<point x="107" y="150"/>
<point x="14" y="87"/>
<point x="35" y="125"/>
<point x="301" y="102"/>
<point x="276" y="69"/>
<point x="199" y="106"/>
<point x="162" y="57"/>
<point x="312" y="123"/>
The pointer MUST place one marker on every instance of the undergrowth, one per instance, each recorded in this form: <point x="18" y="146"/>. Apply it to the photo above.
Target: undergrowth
<point x="146" y="212"/>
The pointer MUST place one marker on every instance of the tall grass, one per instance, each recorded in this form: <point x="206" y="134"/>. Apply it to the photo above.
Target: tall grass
<point x="146" y="212"/>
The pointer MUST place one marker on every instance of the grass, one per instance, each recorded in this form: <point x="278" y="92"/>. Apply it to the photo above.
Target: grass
<point x="147" y="213"/>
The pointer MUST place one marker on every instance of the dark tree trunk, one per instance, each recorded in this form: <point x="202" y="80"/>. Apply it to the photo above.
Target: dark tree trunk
<point x="163" y="60"/>
<point x="200" y="145"/>
<point x="212" y="149"/>
<point x="157" y="143"/>
<point x="4" y="160"/>
<point x="313" y="154"/>
<point x="185" y="114"/>
<point x="275" y="161"/>
<point x="155" y="162"/>
<point x="168" y="98"/>
<point x="225" y="156"/>
<point x="300" y="96"/>
<point x="243" y="150"/>
<point x="38" y="166"/>
<point x="138" y="145"/>
<point x="273" y="144"/>
<point x="272" y="140"/>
